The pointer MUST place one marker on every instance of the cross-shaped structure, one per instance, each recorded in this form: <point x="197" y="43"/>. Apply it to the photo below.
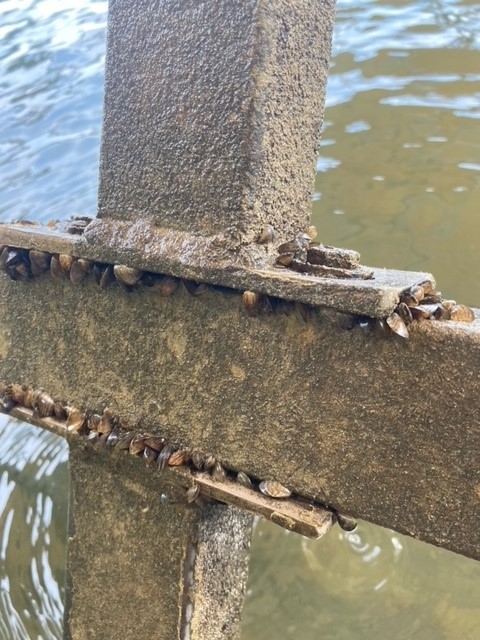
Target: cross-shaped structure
<point x="197" y="327"/>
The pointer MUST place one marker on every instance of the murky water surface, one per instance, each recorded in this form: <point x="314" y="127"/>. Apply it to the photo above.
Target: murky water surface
<point x="398" y="179"/>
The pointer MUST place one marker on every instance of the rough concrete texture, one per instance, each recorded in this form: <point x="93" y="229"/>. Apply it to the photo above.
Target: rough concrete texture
<point x="213" y="112"/>
<point x="136" y="559"/>
<point x="379" y="427"/>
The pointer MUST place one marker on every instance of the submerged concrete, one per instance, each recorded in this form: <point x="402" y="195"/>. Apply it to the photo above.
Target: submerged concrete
<point x="378" y="427"/>
<point x="141" y="564"/>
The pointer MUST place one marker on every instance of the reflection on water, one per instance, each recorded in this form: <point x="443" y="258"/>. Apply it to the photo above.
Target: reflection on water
<point x="33" y="508"/>
<point x="398" y="179"/>
<point x="399" y="173"/>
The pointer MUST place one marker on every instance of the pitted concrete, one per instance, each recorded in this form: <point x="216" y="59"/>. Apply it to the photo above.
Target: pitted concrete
<point x="213" y="114"/>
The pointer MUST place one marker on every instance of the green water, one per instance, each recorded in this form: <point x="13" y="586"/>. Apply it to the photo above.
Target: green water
<point x="398" y="179"/>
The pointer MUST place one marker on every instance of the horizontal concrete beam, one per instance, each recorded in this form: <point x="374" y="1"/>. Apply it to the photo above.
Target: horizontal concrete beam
<point x="376" y="426"/>
<point x="143" y="246"/>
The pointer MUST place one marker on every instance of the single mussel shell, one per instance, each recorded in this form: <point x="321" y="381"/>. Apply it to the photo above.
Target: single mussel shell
<point x="7" y="403"/>
<point x="45" y="405"/>
<point x="3" y="257"/>
<point x="10" y="257"/>
<point x="409" y="299"/>
<point x="289" y="247"/>
<point x="195" y="288"/>
<point x="218" y="472"/>
<point x="312" y="232"/>
<point x="404" y="312"/>
<point x="252" y="302"/>
<point x="433" y="298"/>
<point x="56" y="268"/>
<point x="106" y="422"/>
<point x="28" y="398"/>
<point x="274" y="489"/>
<point x="60" y="411"/>
<point x="124" y="441"/>
<point x="340" y="319"/>
<point x="93" y="420"/>
<point x="209" y="463"/>
<point x="39" y="262"/>
<point x="164" y="456"/>
<point x="178" y="458"/>
<point x="167" y="285"/>
<point x="441" y="313"/>
<point x="149" y="279"/>
<point x="397" y="325"/>
<point x="20" y="271"/>
<point x="137" y="445"/>
<point x="244" y="480"/>
<point x="462" y="313"/>
<point x="77" y="273"/>
<point x="92" y="437"/>
<point x="422" y="312"/>
<point x="98" y="271"/>
<point x="278" y="306"/>
<point x="17" y="392"/>
<point x="100" y="442"/>
<point x="267" y="235"/>
<point x="66" y="261"/>
<point x="198" y="460"/>
<point x="127" y="275"/>
<point x="114" y="437"/>
<point x="107" y="277"/>
<point x="149" y="455"/>
<point x="303" y="240"/>
<point x="75" y="421"/>
<point x="155" y="442"/>
<point x="346" y="523"/>
<point x="192" y="493"/>
<point x="285" y="259"/>
<point x="418" y="292"/>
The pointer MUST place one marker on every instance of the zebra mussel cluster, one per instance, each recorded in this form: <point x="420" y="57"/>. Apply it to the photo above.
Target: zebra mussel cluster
<point x="105" y="432"/>
<point x="420" y="303"/>
<point x="24" y="264"/>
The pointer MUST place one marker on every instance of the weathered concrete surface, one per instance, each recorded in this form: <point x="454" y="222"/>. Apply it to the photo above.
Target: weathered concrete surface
<point x="141" y="565"/>
<point x="381" y="428"/>
<point x="212" y="114"/>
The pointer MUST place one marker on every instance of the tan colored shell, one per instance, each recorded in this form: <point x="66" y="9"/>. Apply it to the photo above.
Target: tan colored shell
<point x="462" y="313"/>
<point x="274" y="489"/>
<point x="75" y="420"/>
<point x="255" y="303"/>
<point x="178" y="458"/>
<point x="66" y="261"/>
<point x="397" y="325"/>
<point x="127" y="275"/>
<point x="267" y="235"/>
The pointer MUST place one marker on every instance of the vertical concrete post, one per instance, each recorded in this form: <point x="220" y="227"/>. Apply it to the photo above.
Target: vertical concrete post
<point x="142" y="564"/>
<point x="213" y="113"/>
<point x="211" y="128"/>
